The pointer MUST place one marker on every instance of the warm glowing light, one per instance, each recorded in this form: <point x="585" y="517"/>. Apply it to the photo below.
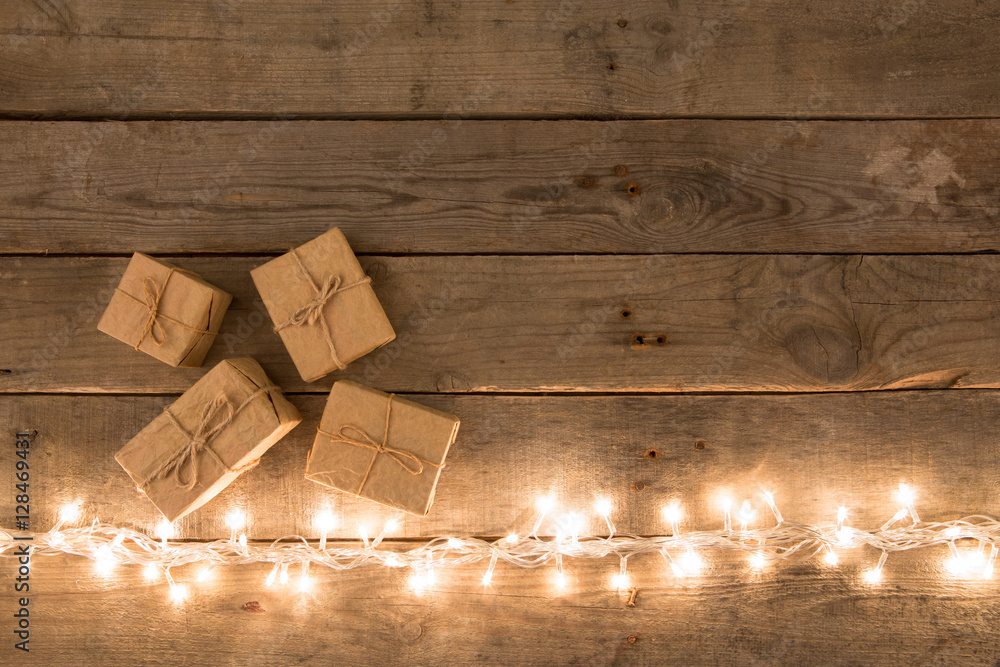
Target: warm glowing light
<point x="487" y="578"/>
<point x="830" y="558"/>
<point x="844" y="536"/>
<point x="956" y="566"/>
<point x="873" y="576"/>
<point x="305" y="584"/>
<point x="243" y="543"/>
<point x="454" y="543"/>
<point x="619" y="581"/>
<point x="727" y="502"/>
<point x="283" y="574"/>
<point x="672" y="513"/>
<point x="545" y="504"/>
<point x="164" y="530"/>
<point x="69" y="513"/>
<point x="325" y="521"/>
<point x="512" y="538"/>
<point x="905" y="495"/>
<point x="236" y="519"/>
<point x="692" y="563"/>
<point x="757" y="560"/>
<point x="560" y="580"/>
<point x="952" y="532"/>
<point x="105" y="563"/>
<point x="746" y="514"/>
<point x="151" y="572"/>
<point x="178" y="593"/>
<point x="272" y="575"/>
<point x="421" y="581"/>
<point x="841" y="515"/>
<point x="205" y="574"/>
<point x="391" y="526"/>
<point x="603" y="506"/>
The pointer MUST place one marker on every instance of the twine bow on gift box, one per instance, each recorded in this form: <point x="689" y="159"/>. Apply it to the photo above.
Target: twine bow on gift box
<point x="152" y="293"/>
<point x="312" y="312"/>
<point x="199" y="439"/>
<point x="400" y="456"/>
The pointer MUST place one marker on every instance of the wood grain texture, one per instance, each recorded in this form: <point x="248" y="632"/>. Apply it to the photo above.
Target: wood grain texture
<point x="795" y="614"/>
<point x="553" y="324"/>
<point x="501" y="187"/>
<point x="487" y="57"/>
<point x="814" y="451"/>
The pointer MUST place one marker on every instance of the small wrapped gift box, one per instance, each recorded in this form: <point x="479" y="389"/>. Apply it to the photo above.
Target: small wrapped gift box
<point x="322" y="305"/>
<point x="381" y="447"/>
<point x="165" y="311"/>
<point x="202" y="441"/>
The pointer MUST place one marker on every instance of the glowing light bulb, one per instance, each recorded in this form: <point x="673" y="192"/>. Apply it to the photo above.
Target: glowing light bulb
<point x="325" y="523"/>
<point x="746" y="515"/>
<point x="602" y="506"/>
<point x="692" y="563"/>
<point x="205" y="574"/>
<point x="454" y="543"/>
<point x="243" y="544"/>
<point x="841" y="515"/>
<point x="363" y="534"/>
<point x="757" y="560"/>
<point x="830" y="558"/>
<point x="672" y="513"/>
<point x="512" y="538"/>
<point x="420" y="581"/>
<point x="905" y="495"/>
<point x="545" y="504"/>
<point x="391" y="526"/>
<point x="69" y="513"/>
<point x="305" y="584"/>
<point x="272" y="575"/>
<point x="560" y="580"/>
<point x="283" y="574"/>
<point x="769" y="498"/>
<point x="178" y="593"/>
<point x="164" y="531"/>
<point x="151" y="572"/>
<point x="873" y="576"/>
<point x="727" y="505"/>
<point x="105" y="562"/>
<point x="236" y="519"/>
<point x="619" y="581"/>
<point x="487" y="578"/>
<point x="952" y="532"/>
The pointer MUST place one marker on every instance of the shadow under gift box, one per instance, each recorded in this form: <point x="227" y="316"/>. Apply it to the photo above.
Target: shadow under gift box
<point x="322" y="288"/>
<point x="212" y="451"/>
<point x="379" y="461"/>
<point x="165" y="311"/>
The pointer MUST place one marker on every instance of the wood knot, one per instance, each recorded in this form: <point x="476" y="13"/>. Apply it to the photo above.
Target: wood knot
<point x="622" y="23"/>
<point x="252" y="606"/>
<point x="700" y="444"/>
<point x="621" y="170"/>
<point x="639" y="486"/>
<point x="377" y="271"/>
<point x="587" y="182"/>
<point x="825" y="354"/>
<point x="631" y="639"/>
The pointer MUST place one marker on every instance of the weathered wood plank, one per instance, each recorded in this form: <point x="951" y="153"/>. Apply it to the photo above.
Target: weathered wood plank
<point x="486" y="57"/>
<point x="793" y="614"/>
<point x="814" y="451"/>
<point x="488" y="323"/>
<point x="501" y="187"/>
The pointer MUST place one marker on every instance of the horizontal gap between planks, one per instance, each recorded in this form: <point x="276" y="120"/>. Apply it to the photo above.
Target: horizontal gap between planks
<point x="531" y="394"/>
<point x="264" y="254"/>
<point x="238" y="117"/>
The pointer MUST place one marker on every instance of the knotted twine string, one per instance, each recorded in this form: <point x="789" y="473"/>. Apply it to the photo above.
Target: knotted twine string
<point x="152" y="293"/>
<point x="197" y="441"/>
<point x="312" y="312"/>
<point x="366" y="441"/>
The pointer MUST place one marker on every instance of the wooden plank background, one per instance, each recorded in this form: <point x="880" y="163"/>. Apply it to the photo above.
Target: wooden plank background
<point x="647" y="250"/>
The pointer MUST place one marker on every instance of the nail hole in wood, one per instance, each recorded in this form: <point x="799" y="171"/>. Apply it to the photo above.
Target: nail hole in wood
<point x="621" y="170"/>
<point x="5" y="371"/>
<point x="611" y="66"/>
<point x="661" y="339"/>
<point x="622" y="23"/>
<point x="633" y="189"/>
<point x="640" y="339"/>
<point x="651" y="454"/>
<point x="626" y="313"/>
<point x="700" y="444"/>
<point x="639" y="486"/>
<point x="631" y="638"/>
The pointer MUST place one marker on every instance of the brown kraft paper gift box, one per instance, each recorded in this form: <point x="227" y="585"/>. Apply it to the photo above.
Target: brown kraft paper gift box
<point x="322" y="305"/>
<point x="381" y="447"/>
<point x="167" y="312"/>
<point x="206" y="438"/>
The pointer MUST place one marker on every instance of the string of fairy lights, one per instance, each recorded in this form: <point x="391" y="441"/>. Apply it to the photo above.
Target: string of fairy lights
<point x="683" y="552"/>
